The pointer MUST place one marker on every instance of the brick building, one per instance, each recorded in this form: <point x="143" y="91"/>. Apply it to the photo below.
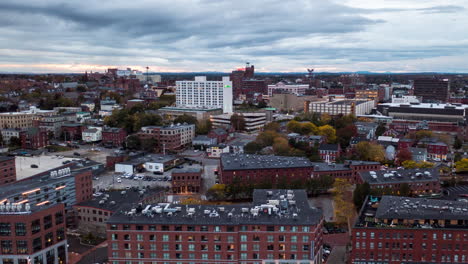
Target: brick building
<point x="397" y="230"/>
<point x="420" y="181"/>
<point x="92" y="215"/>
<point x="329" y="152"/>
<point x="34" y="138"/>
<point x="261" y="168"/>
<point x="349" y="170"/>
<point x="432" y="90"/>
<point x="278" y="227"/>
<point x="169" y="138"/>
<point x="113" y="136"/>
<point x="187" y="180"/>
<point x="55" y="186"/>
<point x="238" y="76"/>
<point x="16" y="120"/>
<point x="32" y="233"/>
<point x="7" y="170"/>
<point x="72" y="131"/>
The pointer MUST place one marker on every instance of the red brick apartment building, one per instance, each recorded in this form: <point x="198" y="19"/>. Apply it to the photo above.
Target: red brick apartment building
<point x="34" y="138"/>
<point x="113" y="136"/>
<point x="169" y="138"/>
<point x="420" y="181"/>
<point x="186" y="180"/>
<point x="261" y="168"/>
<point x="7" y="170"/>
<point x="396" y="230"/>
<point x="32" y="233"/>
<point x="278" y="227"/>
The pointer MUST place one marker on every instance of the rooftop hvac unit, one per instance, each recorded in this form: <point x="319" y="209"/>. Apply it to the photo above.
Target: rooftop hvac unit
<point x="245" y="210"/>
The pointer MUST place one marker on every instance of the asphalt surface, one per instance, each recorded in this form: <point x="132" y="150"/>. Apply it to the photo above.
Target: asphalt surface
<point x="326" y="204"/>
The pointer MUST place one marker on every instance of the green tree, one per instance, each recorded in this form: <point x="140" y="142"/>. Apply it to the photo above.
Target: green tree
<point x="457" y="144"/>
<point x="294" y="126"/>
<point x="133" y="142"/>
<point x="186" y="119"/>
<point x="148" y="144"/>
<point x="273" y="126"/>
<point x="370" y="151"/>
<point x="253" y="147"/>
<point x="381" y="128"/>
<point x="360" y="194"/>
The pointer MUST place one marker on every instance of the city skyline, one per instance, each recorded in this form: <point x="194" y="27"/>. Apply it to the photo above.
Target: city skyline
<point x="196" y="36"/>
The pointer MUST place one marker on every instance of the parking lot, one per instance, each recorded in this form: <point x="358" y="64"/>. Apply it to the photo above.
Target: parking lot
<point x="92" y="152"/>
<point x="112" y="180"/>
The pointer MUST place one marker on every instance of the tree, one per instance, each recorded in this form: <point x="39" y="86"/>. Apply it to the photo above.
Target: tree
<point x="345" y="134"/>
<point x="360" y="194"/>
<point x="462" y="166"/>
<point x="410" y="164"/>
<point x="308" y="128"/>
<point x="344" y="209"/>
<point x="273" y="126"/>
<point x="325" y="118"/>
<point x="133" y="142"/>
<point x="281" y="146"/>
<point x="186" y="119"/>
<point x="457" y="144"/>
<point x="294" y="126"/>
<point x="15" y="142"/>
<point x="370" y="151"/>
<point x="404" y="155"/>
<point x="238" y="122"/>
<point x="267" y="138"/>
<point x="422" y="134"/>
<point x="216" y="192"/>
<point x="329" y="132"/>
<point x="262" y="104"/>
<point x="381" y="128"/>
<point x="149" y="144"/>
<point x="252" y="147"/>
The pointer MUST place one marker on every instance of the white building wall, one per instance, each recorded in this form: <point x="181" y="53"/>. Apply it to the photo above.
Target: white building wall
<point x="123" y="168"/>
<point x="201" y="93"/>
<point x="154" y="166"/>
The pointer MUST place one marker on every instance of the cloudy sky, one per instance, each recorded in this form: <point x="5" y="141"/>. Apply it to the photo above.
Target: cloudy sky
<point x="221" y="35"/>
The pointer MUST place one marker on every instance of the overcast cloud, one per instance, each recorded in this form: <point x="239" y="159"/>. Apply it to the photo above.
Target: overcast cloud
<point x="215" y="35"/>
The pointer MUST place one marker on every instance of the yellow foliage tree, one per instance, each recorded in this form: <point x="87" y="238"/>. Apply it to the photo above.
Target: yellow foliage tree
<point x="462" y="165"/>
<point x="329" y="132"/>
<point x="343" y="205"/>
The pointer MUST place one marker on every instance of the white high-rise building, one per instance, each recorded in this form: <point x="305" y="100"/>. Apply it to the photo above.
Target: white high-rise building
<point x="201" y="93"/>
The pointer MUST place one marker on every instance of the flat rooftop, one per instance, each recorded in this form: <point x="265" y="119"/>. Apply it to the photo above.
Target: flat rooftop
<point x="275" y="207"/>
<point x="392" y="211"/>
<point x="44" y="163"/>
<point x="427" y="105"/>
<point x="113" y="200"/>
<point x="420" y="208"/>
<point x="400" y="176"/>
<point x="251" y="161"/>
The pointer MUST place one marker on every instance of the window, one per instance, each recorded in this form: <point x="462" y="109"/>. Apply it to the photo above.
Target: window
<point x="243" y="247"/>
<point x="7" y="246"/>
<point x="22" y="247"/>
<point x="37" y="244"/>
<point x="59" y="218"/>
<point x="165" y="238"/>
<point x="49" y="239"/>
<point x="36" y="226"/>
<point x="5" y="229"/>
<point x="243" y="238"/>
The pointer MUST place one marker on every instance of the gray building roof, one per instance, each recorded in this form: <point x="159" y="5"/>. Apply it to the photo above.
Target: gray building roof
<point x="419" y="208"/>
<point x="250" y="161"/>
<point x="400" y="176"/>
<point x="287" y="207"/>
<point x="113" y="200"/>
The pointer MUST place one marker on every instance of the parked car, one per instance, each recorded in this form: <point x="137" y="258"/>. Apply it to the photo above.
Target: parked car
<point x="34" y="166"/>
<point x="76" y="154"/>
<point x="119" y="180"/>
